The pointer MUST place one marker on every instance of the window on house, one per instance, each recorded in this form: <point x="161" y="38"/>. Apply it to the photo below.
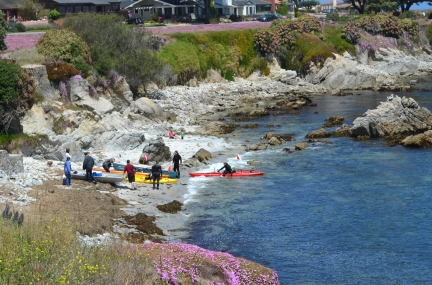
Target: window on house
<point x="93" y="8"/>
<point x="77" y="9"/>
<point x="85" y="9"/>
<point x="69" y="9"/>
<point x="61" y="9"/>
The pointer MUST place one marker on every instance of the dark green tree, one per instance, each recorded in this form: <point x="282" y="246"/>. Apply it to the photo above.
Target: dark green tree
<point x="359" y="5"/>
<point x="17" y="93"/>
<point x="377" y="6"/>
<point x="283" y="9"/>
<point x="3" y="30"/>
<point x="308" y="4"/>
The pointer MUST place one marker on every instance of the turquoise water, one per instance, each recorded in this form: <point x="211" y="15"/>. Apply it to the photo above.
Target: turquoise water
<point x="339" y="212"/>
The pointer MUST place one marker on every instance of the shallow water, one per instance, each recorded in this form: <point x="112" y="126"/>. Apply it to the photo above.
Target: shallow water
<point x="341" y="212"/>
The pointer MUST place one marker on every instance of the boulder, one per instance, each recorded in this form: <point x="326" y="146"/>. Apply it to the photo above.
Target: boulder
<point x="202" y="155"/>
<point x="79" y="92"/>
<point x="420" y="140"/>
<point x="274" y="141"/>
<point x="301" y="146"/>
<point x="333" y="121"/>
<point x="44" y="87"/>
<point x="148" y="108"/>
<point x="344" y="131"/>
<point x="11" y="164"/>
<point x="393" y="118"/>
<point x="318" y="134"/>
<point x="156" y="150"/>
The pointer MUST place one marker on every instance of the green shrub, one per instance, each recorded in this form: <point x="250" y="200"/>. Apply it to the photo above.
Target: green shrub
<point x="334" y="35"/>
<point x="351" y="33"/>
<point x="20" y="27"/>
<point x="60" y="71"/>
<point x="410" y="26"/>
<point x="64" y="45"/>
<point x="408" y="15"/>
<point x="3" y="30"/>
<point x="17" y="92"/>
<point x="429" y="33"/>
<point x="53" y="15"/>
<point x="333" y="16"/>
<point x="310" y="24"/>
<point x="129" y="51"/>
<point x="283" y="9"/>
<point x="390" y="25"/>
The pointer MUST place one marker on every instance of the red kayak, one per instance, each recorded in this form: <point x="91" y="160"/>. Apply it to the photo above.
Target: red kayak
<point x="237" y="173"/>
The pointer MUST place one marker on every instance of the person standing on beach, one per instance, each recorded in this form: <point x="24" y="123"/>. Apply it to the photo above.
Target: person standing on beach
<point x="177" y="160"/>
<point x="107" y="164"/>
<point x="68" y="155"/>
<point x="88" y="167"/>
<point x="130" y="170"/>
<point x="68" y="171"/>
<point x="181" y="134"/>
<point x="156" y="174"/>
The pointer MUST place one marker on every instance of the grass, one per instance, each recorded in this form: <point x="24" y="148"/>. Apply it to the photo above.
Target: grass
<point x="26" y="56"/>
<point x="50" y="252"/>
<point x="12" y="143"/>
<point x="333" y="36"/>
<point x="193" y="54"/>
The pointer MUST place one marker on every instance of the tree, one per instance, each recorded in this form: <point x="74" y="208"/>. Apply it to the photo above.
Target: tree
<point x="378" y="6"/>
<point x="30" y="9"/>
<point x="3" y="29"/>
<point x="17" y="93"/>
<point x="405" y="5"/>
<point x="283" y="9"/>
<point x="308" y="4"/>
<point x="359" y="5"/>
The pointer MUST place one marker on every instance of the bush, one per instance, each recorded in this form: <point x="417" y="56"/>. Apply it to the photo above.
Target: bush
<point x="17" y="92"/>
<point x="390" y="25"/>
<point x="333" y="16"/>
<point x="310" y="24"/>
<point x="60" y="71"/>
<point x="351" y="33"/>
<point x="20" y="27"/>
<point x="53" y="15"/>
<point x="410" y="26"/>
<point x="3" y="30"/>
<point x="283" y="9"/>
<point x="408" y="15"/>
<point x="64" y="45"/>
<point x="131" y="51"/>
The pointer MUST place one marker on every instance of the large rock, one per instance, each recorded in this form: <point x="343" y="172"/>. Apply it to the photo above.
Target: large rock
<point x="148" y="108"/>
<point x="393" y="118"/>
<point x="156" y="150"/>
<point x="321" y="133"/>
<point x="420" y="140"/>
<point x="202" y="155"/>
<point x="43" y="86"/>
<point x="11" y="164"/>
<point x="79" y="92"/>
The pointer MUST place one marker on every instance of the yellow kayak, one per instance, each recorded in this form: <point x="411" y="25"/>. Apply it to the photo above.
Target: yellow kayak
<point x="146" y="179"/>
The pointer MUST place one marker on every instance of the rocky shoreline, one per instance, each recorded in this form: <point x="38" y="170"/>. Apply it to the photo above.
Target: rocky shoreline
<point x="114" y="124"/>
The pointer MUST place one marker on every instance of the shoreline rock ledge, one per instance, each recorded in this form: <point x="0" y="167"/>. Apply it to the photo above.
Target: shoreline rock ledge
<point x="401" y="120"/>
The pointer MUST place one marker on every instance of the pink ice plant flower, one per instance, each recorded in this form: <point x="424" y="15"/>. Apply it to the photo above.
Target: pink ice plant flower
<point x="16" y="42"/>
<point x="175" y="259"/>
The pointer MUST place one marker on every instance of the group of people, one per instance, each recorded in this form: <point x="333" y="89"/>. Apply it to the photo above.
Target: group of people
<point x="171" y="135"/>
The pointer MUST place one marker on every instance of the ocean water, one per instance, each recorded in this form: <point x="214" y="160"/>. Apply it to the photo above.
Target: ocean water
<point x="339" y="212"/>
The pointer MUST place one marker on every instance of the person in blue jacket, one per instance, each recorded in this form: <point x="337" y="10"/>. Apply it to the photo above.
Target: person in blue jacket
<point x="68" y="171"/>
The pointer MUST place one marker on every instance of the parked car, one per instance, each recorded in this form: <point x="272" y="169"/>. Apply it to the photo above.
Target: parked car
<point x="136" y="21"/>
<point x="267" y="18"/>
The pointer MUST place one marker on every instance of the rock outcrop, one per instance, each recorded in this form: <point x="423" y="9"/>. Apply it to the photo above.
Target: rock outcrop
<point x="156" y="151"/>
<point x="395" y="117"/>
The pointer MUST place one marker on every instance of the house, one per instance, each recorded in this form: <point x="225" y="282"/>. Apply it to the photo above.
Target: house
<point x="335" y="5"/>
<point x="76" y="6"/>
<point x="239" y="8"/>
<point x="165" y="8"/>
<point x="10" y="9"/>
